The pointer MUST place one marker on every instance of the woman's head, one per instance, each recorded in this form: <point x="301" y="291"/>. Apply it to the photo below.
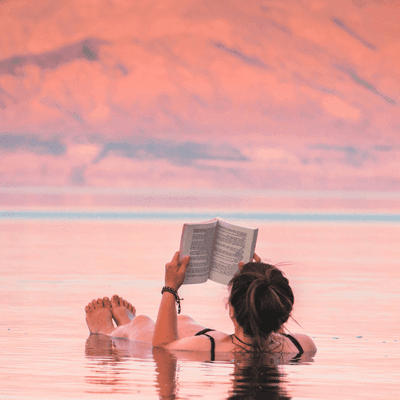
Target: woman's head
<point x="262" y="300"/>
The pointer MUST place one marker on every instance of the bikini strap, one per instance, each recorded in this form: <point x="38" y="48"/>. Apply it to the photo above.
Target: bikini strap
<point x="204" y="331"/>
<point x="212" y="340"/>
<point x="295" y="342"/>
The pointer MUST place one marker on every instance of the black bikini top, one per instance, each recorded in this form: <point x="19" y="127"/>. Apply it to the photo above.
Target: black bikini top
<point x="212" y="340"/>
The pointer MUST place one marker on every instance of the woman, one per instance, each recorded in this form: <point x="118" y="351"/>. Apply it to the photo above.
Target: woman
<point x="260" y="302"/>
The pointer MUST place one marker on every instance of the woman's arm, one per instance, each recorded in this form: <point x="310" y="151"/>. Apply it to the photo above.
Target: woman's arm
<point x="166" y="328"/>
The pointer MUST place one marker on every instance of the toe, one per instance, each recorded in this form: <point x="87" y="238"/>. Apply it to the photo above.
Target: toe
<point x="106" y="302"/>
<point x="115" y="301"/>
<point x="100" y="303"/>
<point x="94" y="304"/>
<point x="88" y="308"/>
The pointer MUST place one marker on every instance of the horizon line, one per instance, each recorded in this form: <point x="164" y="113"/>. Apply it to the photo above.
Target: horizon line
<point x="107" y="215"/>
<point x="206" y="192"/>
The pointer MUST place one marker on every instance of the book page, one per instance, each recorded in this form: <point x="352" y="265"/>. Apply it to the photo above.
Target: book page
<point x="232" y="244"/>
<point x="197" y="242"/>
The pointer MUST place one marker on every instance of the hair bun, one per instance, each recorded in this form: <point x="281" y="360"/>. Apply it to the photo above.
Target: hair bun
<point x="264" y="281"/>
<point x="262" y="300"/>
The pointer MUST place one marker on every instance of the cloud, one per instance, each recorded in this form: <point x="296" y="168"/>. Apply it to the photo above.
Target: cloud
<point x="87" y="49"/>
<point x="249" y="60"/>
<point x="31" y="143"/>
<point x="184" y="153"/>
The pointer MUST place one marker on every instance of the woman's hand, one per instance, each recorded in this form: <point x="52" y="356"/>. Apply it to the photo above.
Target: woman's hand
<point x="175" y="271"/>
<point x="256" y="259"/>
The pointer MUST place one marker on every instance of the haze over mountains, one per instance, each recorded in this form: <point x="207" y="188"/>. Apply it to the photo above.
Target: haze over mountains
<point x="257" y="94"/>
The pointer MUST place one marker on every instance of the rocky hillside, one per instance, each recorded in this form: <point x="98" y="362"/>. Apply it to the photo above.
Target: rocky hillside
<point x="204" y="84"/>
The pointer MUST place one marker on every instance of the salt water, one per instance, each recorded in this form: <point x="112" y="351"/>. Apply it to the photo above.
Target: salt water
<point x="345" y="275"/>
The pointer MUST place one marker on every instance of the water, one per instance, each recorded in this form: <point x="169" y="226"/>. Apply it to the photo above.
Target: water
<point x="345" y="276"/>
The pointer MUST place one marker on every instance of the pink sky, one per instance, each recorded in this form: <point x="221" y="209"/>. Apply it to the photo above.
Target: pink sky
<point x="290" y="96"/>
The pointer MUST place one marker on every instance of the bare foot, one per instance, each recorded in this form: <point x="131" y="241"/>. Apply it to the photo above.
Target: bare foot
<point x="99" y="316"/>
<point x="122" y="311"/>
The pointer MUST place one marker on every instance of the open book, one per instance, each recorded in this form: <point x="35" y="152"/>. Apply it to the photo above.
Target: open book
<point x="215" y="248"/>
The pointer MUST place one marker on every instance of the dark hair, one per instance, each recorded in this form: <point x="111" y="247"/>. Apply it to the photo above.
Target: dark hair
<point x="262" y="300"/>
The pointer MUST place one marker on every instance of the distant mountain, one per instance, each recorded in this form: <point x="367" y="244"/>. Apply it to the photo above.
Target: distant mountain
<point x="290" y="80"/>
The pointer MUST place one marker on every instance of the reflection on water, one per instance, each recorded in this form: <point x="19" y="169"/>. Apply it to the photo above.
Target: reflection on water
<point x="250" y="376"/>
<point x="106" y="356"/>
<point x="263" y="381"/>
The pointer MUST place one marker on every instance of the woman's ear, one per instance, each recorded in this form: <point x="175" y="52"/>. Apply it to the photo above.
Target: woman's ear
<point x="231" y="311"/>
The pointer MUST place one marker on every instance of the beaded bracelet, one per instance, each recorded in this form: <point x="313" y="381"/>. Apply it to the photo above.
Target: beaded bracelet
<point x="175" y="293"/>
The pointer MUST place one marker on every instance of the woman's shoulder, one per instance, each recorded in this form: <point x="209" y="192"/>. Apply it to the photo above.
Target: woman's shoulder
<point x="200" y="342"/>
<point x="289" y="345"/>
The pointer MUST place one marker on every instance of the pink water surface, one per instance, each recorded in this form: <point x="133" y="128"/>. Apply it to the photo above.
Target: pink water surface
<point x="345" y="277"/>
